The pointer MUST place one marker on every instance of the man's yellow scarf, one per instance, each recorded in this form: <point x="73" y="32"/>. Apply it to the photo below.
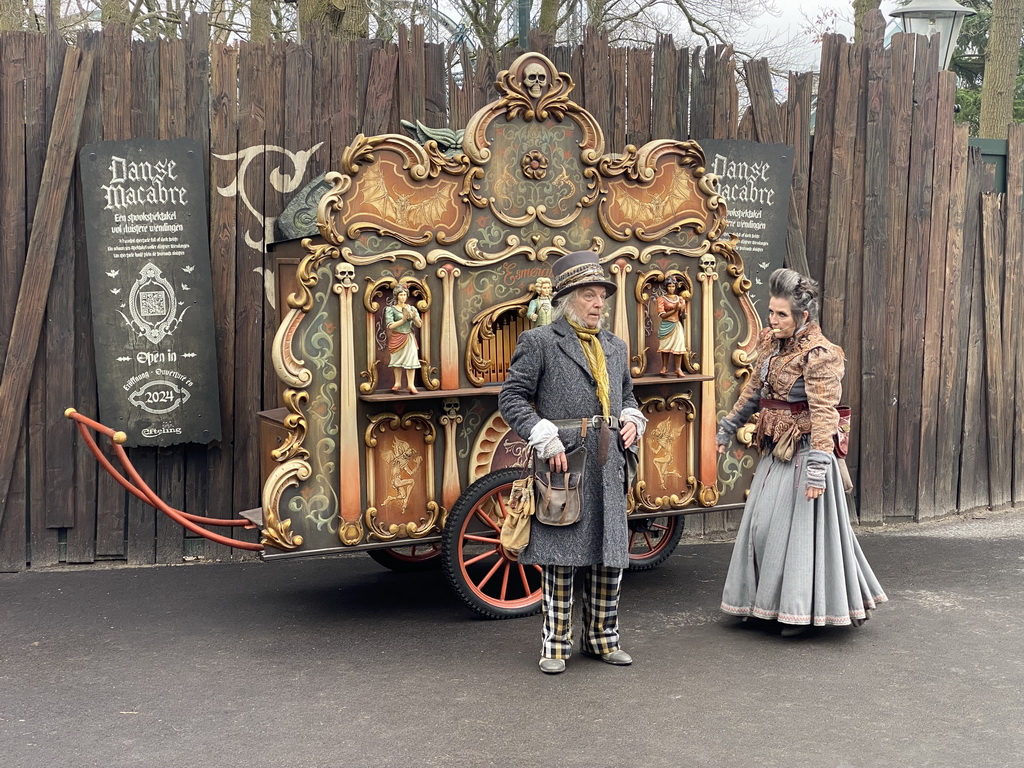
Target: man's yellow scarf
<point x="594" y="353"/>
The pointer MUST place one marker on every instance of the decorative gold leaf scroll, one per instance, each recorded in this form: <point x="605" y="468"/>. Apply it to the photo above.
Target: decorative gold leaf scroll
<point x="395" y="187"/>
<point x="658" y="189"/>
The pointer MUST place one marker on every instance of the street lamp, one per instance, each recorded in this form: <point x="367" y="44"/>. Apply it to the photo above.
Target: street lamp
<point x="928" y="17"/>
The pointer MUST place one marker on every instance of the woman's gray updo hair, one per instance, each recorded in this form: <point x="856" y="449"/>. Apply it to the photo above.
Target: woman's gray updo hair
<point x="800" y="291"/>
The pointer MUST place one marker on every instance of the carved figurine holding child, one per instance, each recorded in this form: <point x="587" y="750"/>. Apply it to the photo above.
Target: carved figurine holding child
<point x="401" y="318"/>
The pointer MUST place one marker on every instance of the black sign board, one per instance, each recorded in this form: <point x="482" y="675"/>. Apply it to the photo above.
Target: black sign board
<point x="755" y="180"/>
<point x="152" y="305"/>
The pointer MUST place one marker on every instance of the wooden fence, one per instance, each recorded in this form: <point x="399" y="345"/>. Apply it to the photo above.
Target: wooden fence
<point x="896" y="214"/>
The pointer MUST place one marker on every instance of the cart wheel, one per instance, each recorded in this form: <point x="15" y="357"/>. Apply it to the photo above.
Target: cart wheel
<point x="652" y="540"/>
<point x="492" y="584"/>
<point x="416" y="557"/>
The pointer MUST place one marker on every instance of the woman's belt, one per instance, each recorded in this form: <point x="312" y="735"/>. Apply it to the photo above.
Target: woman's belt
<point x="797" y="406"/>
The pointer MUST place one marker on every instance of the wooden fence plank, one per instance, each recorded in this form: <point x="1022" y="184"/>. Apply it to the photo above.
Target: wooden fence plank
<point x="682" y="131"/>
<point x="821" y="162"/>
<point x="273" y="199"/>
<point x="69" y="336"/>
<point x="596" y="93"/>
<point x="1013" y="337"/>
<point x="379" y="93"/>
<point x="196" y="42"/>
<point x="871" y="419"/>
<point x="44" y="542"/>
<point x="701" y="123"/>
<point x="82" y="539"/>
<point x="40" y="256"/>
<point x="116" y="88"/>
<point x="249" y="284"/>
<point x="224" y="142"/>
<point x="937" y="302"/>
<point x="726" y="93"/>
<point x="486" y="72"/>
<point x="747" y="130"/>
<point x="458" y="102"/>
<point x="13" y="224"/>
<point x="915" y="275"/>
<point x="840" y="192"/>
<point x="435" y="77"/>
<point x="171" y="461"/>
<point x="769" y="131"/>
<point x="798" y="137"/>
<point x="140" y="517"/>
<point x="618" y="119"/>
<point x="107" y="496"/>
<point x="666" y="89"/>
<point x="964" y="185"/>
<point x="321" y="71"/>
<point x="57" y="342"/>
<point x="900" y="97"/>
<point x="406" y="74"/>
<point x="973" y="491"/>
<point x="298" y="102"/>
<point x="638" y="92"/>
<point x="853" y="341"/>
<point x="993" y="228"/>
<point x="346" y="112"/>
<point x="420" y="89"/>
<point x="196" y="46"/>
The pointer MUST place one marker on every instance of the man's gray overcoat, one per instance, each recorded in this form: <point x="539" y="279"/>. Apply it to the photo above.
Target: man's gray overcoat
<point x="549" y="378"/>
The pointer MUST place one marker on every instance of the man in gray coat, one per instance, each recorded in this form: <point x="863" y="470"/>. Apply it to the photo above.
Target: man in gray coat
<point x="568" y="386"/>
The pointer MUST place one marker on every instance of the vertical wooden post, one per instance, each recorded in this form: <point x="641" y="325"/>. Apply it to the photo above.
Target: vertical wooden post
<point x="915" y="274"/>
<point x="937" y="300"/>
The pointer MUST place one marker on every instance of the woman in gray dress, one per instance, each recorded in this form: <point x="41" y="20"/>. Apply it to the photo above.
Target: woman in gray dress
<point x="796" y="559"/>
<point x="569" y="386"/>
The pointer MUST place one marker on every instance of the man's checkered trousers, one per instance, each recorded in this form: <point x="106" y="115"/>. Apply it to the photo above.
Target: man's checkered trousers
<point x="600" y="610"/>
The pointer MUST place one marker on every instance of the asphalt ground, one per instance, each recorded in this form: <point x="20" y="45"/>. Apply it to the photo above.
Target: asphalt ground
<point x="338" y="662"/>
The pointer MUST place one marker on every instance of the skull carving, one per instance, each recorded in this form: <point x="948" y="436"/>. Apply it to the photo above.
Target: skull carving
<point x="535" y="77"/>
<point x="344" y="276"/>
<point x="707" y="262"/>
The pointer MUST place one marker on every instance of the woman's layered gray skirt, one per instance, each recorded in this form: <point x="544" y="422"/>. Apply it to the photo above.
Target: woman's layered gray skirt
<point x="798" y="561"/>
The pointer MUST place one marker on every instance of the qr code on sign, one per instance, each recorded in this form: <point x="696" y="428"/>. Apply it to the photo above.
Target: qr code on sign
<point x="153" y="303"/>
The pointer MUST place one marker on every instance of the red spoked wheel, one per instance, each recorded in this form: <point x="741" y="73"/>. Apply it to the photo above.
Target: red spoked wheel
<point x="481" y="572"/>
<point x="410" y="559"/>
<point x="652" y="540"/>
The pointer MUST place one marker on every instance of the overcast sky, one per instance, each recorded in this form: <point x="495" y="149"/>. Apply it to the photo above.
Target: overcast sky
<point x="792" y="18"/>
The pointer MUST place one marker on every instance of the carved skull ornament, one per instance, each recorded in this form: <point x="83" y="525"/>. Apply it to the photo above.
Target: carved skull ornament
<point x="535" y="77"/>
<point x="707" y="262"/>
<point x="344" y="275"/>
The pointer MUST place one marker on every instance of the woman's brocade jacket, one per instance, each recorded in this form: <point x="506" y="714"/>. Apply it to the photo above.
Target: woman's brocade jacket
<point x="806" y="367"/>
